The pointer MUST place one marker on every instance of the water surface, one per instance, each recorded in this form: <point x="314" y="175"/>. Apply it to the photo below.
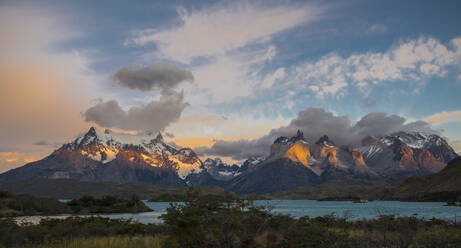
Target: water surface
<point x="298" y="208"/>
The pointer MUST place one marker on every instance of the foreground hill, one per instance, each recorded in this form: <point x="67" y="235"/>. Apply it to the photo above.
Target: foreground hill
<point x="442" y="186"/>
<point x="73" y="189"/>
<point x="340" y="190"/>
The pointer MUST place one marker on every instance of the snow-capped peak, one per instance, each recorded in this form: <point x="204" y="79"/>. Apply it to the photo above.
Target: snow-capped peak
<point x="104" y="147"/>
<point x="117" y="140"/>
<point x="220" y="170"/>
<point x="415" y="139"/>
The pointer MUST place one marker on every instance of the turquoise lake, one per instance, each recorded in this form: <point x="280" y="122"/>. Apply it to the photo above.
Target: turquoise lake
<point x="298" y="208"/>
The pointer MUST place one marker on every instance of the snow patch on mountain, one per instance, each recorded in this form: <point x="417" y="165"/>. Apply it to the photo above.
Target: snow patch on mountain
<point x="415" y="139"/>
<point x="184" y="169"/>
<point x="220" y="170"/>
<point x="104" y="147"/>
<point x="112" y="139"/>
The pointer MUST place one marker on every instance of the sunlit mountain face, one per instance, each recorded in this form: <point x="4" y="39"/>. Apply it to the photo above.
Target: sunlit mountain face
<point x="293" y="162"/>
<point x="228" y="93"/>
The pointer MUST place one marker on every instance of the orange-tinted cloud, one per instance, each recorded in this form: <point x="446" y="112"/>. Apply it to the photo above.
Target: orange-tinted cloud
<point x="198" y="141"/>
<point x="36" y="104"/>
<point x="444" y="116"/>
<point x="212" y="126"/>
<point x="42" y="91"/>
<point x="456" y="146"/>
<point x="10" y="160"/>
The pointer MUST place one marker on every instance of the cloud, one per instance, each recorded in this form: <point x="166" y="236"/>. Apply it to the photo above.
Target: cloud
<point x="159" y="76"/>
<point x="224" y="27"/>
<point x="456" y="144"/>
<point x="316" y="122"/>
<point x="11" y="160"/>
<point x="169" y="135"/>
<point x="27" y="30"/>
<point x="42" y="89"/>
<point x="238" y="150"/>
<point x="379" y="124"/>
<point x="444" y="116"/>
<point x="232" y="41"/>
<point x="377" y="28"/>
<point x="214" y="126"/>
<point x="272" y="78"/>
<point x="412" y="61"/>
<point x="368" y="102"/>
<point x="230" y="75"/>
<point x="41" y="143"/>
<point x="153" y="116"/>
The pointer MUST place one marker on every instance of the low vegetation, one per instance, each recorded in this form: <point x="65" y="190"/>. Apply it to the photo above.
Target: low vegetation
<point x="107" y="204"/>
<point x="108" y="242"/>
<point x="18" y="205"/>
<point x="72" y="230"/>
<point x="26" y="205"/>
<point x="200" y="196"/>
<point x="232" y="223"/>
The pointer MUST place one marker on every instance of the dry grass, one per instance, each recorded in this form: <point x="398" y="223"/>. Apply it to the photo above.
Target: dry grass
<point x="106" y="242"/>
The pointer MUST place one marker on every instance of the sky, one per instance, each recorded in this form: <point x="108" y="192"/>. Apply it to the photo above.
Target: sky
<point x="226" y="77"/>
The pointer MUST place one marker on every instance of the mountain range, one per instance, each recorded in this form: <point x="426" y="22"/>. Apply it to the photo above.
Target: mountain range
<point x="293" y="162"/>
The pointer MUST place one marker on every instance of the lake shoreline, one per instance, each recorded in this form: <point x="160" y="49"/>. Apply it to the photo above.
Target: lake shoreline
<point x="300" y="208"/>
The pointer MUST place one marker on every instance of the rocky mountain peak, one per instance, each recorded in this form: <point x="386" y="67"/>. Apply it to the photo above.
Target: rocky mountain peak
<point x="216" y="169"/>
<point x="323" y="147"/>
<point x="300" y="134"/>
<point x="133" y="150"/>
<point x="295" y="148"/>
<point x="408" y="152"/>
<point x="251" y="163"/>
<point x="112" y="156"/>
<point x="325" y="141"/>
<point x="91" y="131"/>
<point x="209" y="162"/>
<point x="281" y="140"/>
<point x="88" y="138"/>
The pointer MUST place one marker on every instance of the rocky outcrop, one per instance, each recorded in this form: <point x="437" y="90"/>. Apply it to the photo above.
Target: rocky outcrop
<point x="213" y="172"/>
<point x="296" y="149"/>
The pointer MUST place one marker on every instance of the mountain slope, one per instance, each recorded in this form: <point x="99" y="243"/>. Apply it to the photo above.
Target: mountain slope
<point x="274" y="175"/>
<point x="293" y="162"/>
<point x="407" y="153"/>
<point x="110" y="156"/>
<point x="443" y="186"/>
<point x="213" y="172"/>
<point x="287" y="167"/>
<point x="333" y="162"/>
